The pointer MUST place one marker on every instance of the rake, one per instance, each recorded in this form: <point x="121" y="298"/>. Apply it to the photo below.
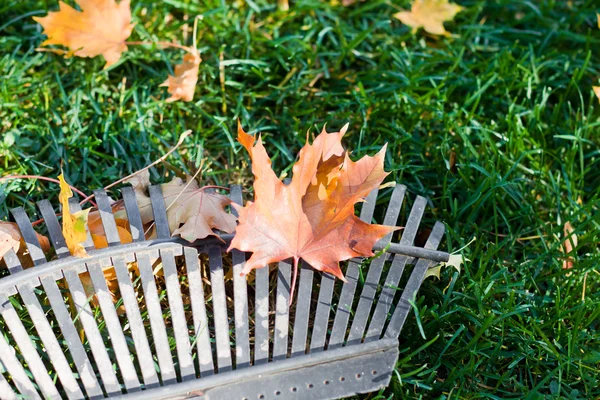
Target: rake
<point x="211" y="337"/>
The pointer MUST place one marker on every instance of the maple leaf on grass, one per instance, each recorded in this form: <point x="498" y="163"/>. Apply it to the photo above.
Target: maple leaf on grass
<point x="181" y="86"/>
<point x="429" y="15"/>
<point x="312" y="218"/>
<point x="73" y="225"/>
<point x="100" y="28"/>
<point x="596" y="91"/>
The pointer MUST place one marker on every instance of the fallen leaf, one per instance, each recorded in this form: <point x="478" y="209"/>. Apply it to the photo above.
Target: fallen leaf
<point x="100" y="28"/>
<point x="73" y="225"/>
<point x="570" y="242"/>
<point x="455" y="261"/>
<point x="192" y="212"/>
<point x="10" y="238"/>
<point x="597" y="91"/>
<point x="429" y="15"/>
<point x="140" y="183"/>
<point x="181" y="86"/>
<point x="97" y="230"/>
<point x="312" y="218"/>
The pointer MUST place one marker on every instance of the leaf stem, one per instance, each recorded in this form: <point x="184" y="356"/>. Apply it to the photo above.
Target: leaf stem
<point x="44" y="178"/>
<point x="165" y="44"/>
<point x="179" y="142"/>
<point x="296" y="261"/>
<point x="213" y="187"/>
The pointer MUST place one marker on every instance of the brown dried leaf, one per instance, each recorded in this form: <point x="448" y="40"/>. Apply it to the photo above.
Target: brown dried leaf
<point x="181" y="86"/>
<point x="192" y="212"/>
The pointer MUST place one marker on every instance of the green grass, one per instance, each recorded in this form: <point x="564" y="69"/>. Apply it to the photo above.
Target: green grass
<point x="497" y="125"/>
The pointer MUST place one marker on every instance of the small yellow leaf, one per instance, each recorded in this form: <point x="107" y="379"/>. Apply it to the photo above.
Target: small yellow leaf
<point x="74" y="225"/>
<point x="455" y="261"/>
<point x="597" y="91"/>
<point x="181" y="86"/>
<point x="433" y="271"/>
<point x="100" y="28"/>
<point x="429" y="15"/>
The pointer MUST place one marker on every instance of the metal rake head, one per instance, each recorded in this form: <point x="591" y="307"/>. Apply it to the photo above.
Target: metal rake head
<point x="189" y="330"/>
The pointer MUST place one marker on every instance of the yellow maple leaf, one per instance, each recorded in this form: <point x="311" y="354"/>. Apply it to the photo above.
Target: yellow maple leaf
<point x="429" y="15"/>
<point x="597" y="91"/>
<point x="73" y="225"/>
<point x="100" y="28"/>
<point x="181" y="86"/>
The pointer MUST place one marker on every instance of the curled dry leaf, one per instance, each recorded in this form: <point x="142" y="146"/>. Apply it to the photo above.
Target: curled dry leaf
<point x="570" y="242"/>
<point x="100" y="28"/>
<point x="429" y="15"/>
<point x="312" y="218"/>
<point x="181" y="86"/>
<point x="73" y="225"/>
<point x="10" y="238"/>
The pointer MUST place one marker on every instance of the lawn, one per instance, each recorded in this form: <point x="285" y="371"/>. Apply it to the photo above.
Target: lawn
<point x="497" y="125"/>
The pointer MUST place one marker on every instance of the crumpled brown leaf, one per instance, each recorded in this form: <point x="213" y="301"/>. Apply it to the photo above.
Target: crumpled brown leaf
<point x="100" y="28"/>
<point x="181" y="86"/>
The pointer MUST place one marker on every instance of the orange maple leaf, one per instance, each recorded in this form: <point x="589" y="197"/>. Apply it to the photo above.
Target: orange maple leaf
<point x="312" y="218"/>
<point x="100" y="28"/>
